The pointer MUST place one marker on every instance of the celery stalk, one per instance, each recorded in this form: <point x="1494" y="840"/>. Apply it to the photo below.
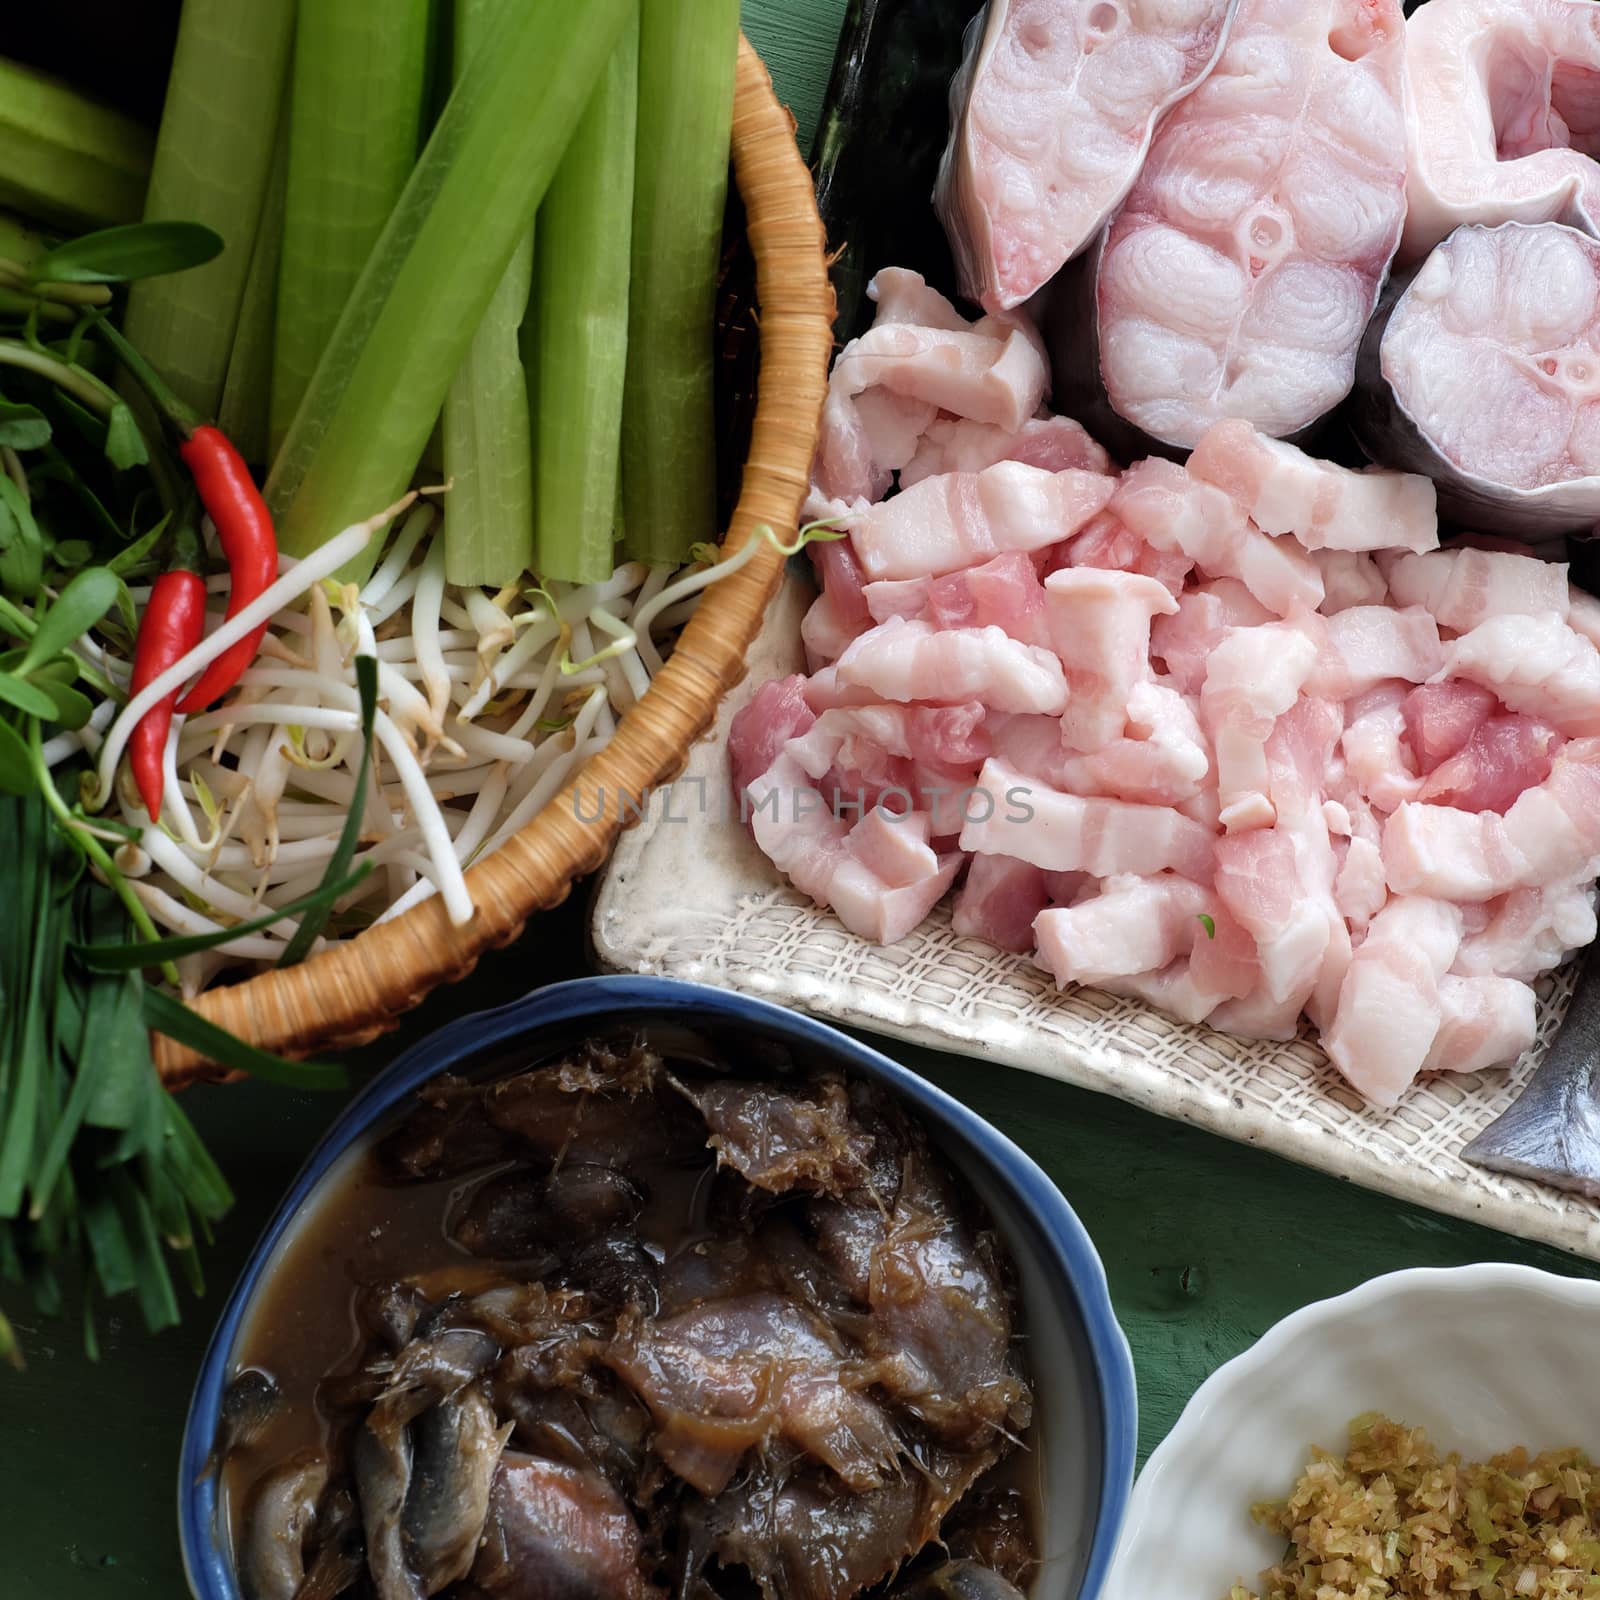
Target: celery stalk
<point x="213" y="158"/>
<point x="488" y="453"/>
<point x="687" y="54"/>
<point x="244" y="413"/>
<point x="355" y="123"/>
<point x="580" y="322"/>
<point x="363" y="423"/>
<point x="67" y="160"/>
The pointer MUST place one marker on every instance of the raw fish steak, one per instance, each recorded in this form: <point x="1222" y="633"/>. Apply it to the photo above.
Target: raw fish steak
<point x="1051" y="117"/>
<point x="1238" y="278"/>
<point x="1504" y="116"/>
<point x="1486" y="376"/>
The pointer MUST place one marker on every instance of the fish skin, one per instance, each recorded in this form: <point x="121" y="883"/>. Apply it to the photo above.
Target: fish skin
<point x="283" y="1507"/>
<point x="456" y="1446"/>
<point x="381" y="1467"/>
<point x="1551" y="1131"/>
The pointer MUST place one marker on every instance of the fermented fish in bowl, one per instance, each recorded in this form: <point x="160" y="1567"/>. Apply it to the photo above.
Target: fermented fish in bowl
<point x="1485" y="375"/>
<point x="625" y="1324"/>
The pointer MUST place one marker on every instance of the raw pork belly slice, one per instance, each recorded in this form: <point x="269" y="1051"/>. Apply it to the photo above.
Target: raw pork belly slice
<point x="901" y="660"/>
<point x="1239" y="276"/>
<point x="1183" y="643"/>
<point x="943" y="524"/>
<point x="1551" y="834"/>
<point x="1376" y="757"/>
<point x="1324" y="506"/>
<point x="1483" y="1022"/>
<point x="1349" y="578"/>
<point x="1011" y="814"/>
<point x="1058" y="444"/>
<point x="1363" y="645"/>
<point x="1099" y="626"/>
<point x="775" y="714"/>
<point x="1171" y="509"/>
<point x="1003" y="593"/>
<point x="880" y="876"/>
<point x="1164" y="761"/>
<point x="1492" y="387"/>
<point x="1503" y="756"/>
<point x="1440" y="718"/>
<point x="998" y="902"/>
<point x="1502" y="117"/>
<point x="1051" y="117"/>
<point x="1110" y="544"/>
<point x="920" y="357"/>
<point x="1133" y="925"/>
<point x="1536" y="665"/>
<point x="1253" y="677"/>
<point x="1390" y="1011"/>
<point x="1464" y="587"/>
<point x="1530" y="932"/>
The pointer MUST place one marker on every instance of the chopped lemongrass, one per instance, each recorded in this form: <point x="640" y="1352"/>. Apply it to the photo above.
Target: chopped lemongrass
<point x="363" y="422"/>
<point x="579" y="328"/>
<point x="212" y="164"/>
<point x="687" y="55"/>
<point x="355" y="124"/>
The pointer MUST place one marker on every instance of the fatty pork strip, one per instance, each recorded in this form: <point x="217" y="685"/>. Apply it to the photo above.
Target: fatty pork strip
<point x="1502" y="122"/>
<point x="1234" y="738"/>
<point x="1485" y="374"/>
<point x="1238" y="278"/>
<point x="1051" y="116"/>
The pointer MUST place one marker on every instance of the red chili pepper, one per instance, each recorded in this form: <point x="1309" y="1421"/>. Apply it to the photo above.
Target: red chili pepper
<point x="244" y="525"/>
<point x="173" y="621"/>
<point x="230" y="496"/>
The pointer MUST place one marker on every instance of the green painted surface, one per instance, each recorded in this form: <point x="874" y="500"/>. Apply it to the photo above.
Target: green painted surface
<point x="1206" y="1243"/>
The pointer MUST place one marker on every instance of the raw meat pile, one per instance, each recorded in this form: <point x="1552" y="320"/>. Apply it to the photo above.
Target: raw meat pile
<point x="1237" y="737"/>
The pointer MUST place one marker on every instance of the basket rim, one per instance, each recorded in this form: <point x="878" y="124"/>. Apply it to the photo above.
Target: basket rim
<point x="353" y="991"/>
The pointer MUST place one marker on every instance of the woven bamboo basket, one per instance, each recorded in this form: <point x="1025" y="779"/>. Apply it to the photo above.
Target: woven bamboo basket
<point x="355" y="991"/>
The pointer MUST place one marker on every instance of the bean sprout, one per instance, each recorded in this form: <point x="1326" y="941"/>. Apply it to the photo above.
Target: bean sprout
<point x="487" y="705"/>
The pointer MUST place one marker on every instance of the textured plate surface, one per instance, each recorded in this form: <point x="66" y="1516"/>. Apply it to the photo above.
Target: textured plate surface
<point x="1430" y="1348"/>
<point x="687" y="895"/>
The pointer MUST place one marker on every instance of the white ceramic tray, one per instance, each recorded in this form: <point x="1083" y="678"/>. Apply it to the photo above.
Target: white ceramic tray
<point x="687" y="895"/>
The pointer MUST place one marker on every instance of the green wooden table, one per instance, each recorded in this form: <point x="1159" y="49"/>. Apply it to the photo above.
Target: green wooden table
<point x="1206" y="1243"/>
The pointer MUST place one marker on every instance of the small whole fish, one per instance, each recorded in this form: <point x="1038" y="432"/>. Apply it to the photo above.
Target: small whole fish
<point x="1552" y="1130"/>
<point x="278" y="1523"/>
<point x="248" y="1405"/>
<point x="381" y="1462"/>
<point x="960" y="1580"/>
<point x="456" y="1447"/>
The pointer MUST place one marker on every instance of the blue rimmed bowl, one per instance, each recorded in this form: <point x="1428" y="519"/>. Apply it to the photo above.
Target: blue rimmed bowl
<point x="1082" y="1371"/>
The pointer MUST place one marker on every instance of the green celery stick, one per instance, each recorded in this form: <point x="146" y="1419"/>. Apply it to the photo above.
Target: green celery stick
<point x="244" y="412"/>
<point x="67" y="160"/>
<point x="488" y="456"/>
<point x="580" y="329"/>
<point x="357" y="436"/>
<point x="355" y="122"/>
<point x="688" y="50"/>
<point x="213" y="160"/>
